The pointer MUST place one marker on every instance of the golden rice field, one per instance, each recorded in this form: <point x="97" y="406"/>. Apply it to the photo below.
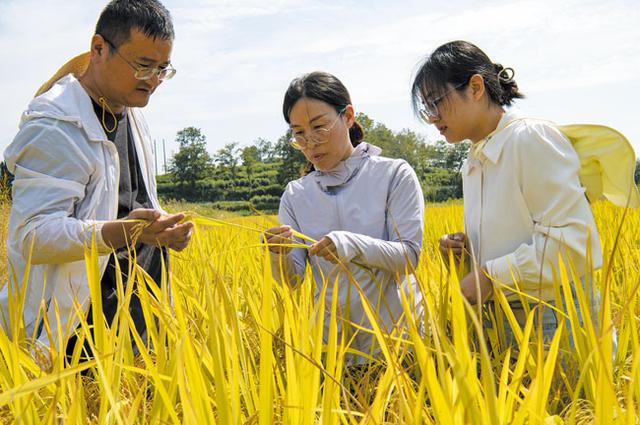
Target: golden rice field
<point x="235" y="347"/>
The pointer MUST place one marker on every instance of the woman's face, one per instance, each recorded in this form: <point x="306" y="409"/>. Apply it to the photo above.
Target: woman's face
<point x="323" y="132"/>
<point x="460" y="112"/>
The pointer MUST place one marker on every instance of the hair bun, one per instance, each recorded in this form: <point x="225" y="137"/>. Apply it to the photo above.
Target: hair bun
<point x="506" y="75"/>
<point x="356" y="133"/>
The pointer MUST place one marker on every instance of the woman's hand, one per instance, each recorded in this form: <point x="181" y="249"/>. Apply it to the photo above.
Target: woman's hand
<point x="471" y="288"/>
<point x="279" y="235"/>
<point x="326" y="249"/>
<point x="454" y="242"/>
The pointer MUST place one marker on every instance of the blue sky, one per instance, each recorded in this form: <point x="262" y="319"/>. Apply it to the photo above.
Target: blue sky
<point x="577" y="61"/>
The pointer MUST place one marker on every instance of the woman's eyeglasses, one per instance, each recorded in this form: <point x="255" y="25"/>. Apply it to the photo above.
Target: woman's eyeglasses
<point x="429" y="109"/>
<point x="317" y="136"/>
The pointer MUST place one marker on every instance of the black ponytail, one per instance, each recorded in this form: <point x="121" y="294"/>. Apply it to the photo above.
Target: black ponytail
<point x="509" y="88"/>
<point x="453" y="64"/>
<point x="356" y="134"/>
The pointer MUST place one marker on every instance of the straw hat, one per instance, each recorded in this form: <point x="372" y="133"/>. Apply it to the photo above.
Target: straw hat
<point x="76" y="66"/>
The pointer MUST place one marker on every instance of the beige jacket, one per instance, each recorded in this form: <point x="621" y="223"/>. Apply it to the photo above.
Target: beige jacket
<point x="524" y="207"/>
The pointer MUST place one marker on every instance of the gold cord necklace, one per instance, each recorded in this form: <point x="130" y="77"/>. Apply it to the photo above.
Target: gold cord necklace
<point x="102" y="101"/>
<point x="105" y="107"/>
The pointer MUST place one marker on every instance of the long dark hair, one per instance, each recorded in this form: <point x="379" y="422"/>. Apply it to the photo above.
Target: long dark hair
<point x="326" y="88"/>
<point x="454" y="63"/>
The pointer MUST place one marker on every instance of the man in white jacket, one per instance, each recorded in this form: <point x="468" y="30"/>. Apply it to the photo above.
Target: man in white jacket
<point x="83" y="165"/>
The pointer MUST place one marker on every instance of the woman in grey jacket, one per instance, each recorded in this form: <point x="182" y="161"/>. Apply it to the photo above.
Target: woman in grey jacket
<point x="365" y="211"/>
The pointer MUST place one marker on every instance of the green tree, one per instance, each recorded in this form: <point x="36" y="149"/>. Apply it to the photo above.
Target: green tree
<point x="405" y="144"/>
<point x="266" y="150"/>
<point x="456" y="154"/>
<point x="293" y="161"/>
<point x="192" y="162"/>
<point x="440" y="184"/>
<point x="378" y="134"/>
<point x="227" y="159"/>
<point x="365" y="121"/>
<point x="269" y="166"/>
<point x="250" y="159"/>
<point x="436" y="165"/>
<point x="449" y="156"/>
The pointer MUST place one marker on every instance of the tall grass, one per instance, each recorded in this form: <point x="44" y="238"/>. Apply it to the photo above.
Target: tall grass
<point x="5" y="205"/>
<point x="231" y="346"/>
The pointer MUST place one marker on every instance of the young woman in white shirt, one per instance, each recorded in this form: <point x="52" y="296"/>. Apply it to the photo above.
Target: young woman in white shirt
<point x="365" y="211"/>
<point x="524" y="206"/>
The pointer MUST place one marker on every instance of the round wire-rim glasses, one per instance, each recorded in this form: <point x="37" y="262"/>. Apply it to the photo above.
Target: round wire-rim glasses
<point x="317" y="136"/>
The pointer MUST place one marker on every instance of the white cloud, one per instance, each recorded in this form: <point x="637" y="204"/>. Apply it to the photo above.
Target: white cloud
<point x="236" y="58"/>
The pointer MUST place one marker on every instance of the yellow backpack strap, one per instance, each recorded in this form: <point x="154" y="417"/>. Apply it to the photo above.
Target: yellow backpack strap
<point x="76" y="66"/>
<point x="607" y="163"/>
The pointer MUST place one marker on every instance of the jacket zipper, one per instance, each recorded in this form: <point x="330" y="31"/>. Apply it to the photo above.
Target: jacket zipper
<point x="337" y="206"/>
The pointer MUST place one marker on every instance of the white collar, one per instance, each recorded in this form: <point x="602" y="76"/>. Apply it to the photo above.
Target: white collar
<point x="491" y="146"/>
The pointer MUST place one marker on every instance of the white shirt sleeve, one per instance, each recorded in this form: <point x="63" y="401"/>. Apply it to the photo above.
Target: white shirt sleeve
<point x="562" y="219"/>
<point x="405" y="221"/>
<point x="292" y="266"/>
<point x="51" y="175"/>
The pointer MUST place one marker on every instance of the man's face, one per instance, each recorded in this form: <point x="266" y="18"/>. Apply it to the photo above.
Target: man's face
<point x="117" y="80"/>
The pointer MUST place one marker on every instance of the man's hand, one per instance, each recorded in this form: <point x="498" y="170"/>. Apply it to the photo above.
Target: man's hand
<point x="471" y="288"/>
<point x="279" y="235"/>
<point x="454" y="242"/>
<point x="164" y="231"/>
<point x="326" y="249"/>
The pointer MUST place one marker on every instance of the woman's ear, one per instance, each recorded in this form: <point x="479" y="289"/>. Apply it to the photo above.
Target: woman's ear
<point x="350" y="115"/>
<point x="476" y="83"/>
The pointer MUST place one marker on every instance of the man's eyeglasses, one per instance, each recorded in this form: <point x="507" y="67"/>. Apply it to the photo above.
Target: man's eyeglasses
<point x="145" y="72"/>
<point x="317" y="136"/>
<point x="429" y="109"/>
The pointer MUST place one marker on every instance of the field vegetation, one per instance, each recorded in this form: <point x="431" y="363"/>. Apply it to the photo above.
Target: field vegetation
<point x="229" y="345"/>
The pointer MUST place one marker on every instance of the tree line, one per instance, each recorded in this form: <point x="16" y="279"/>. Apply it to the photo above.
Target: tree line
<point x="245" y="178"/>
<point x="253" y="177"/>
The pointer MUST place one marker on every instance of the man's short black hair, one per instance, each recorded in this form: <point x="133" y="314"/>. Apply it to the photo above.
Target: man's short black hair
<point x="119" y="17"/>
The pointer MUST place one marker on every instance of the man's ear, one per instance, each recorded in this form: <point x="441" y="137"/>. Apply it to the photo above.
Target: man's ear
<point x="99" y="48"/>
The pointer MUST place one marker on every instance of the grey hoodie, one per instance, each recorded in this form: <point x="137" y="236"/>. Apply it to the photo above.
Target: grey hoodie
<point x="372" y="208"/>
